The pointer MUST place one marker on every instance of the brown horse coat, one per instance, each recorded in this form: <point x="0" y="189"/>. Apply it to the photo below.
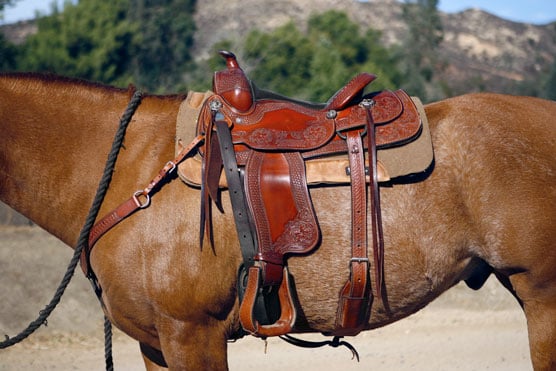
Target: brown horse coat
<point x="488" y="205"/>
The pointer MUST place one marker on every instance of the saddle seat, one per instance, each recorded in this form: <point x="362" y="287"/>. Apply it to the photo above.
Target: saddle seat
<point x="262" y="143"/>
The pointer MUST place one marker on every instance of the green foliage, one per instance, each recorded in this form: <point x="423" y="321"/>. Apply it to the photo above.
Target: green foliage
<point x="166" y="30"/>
<point x="418" y="52"/>
<point x="335" y="29"/>
<point x="313" y="65"/>
<point x="8" y="53"/>
<point x="550" y="87"/>
<point x="149" y="43"/>
<point x="282" y="58"/>
<point x="116" y="42"/>
<point x="91" y="40"/>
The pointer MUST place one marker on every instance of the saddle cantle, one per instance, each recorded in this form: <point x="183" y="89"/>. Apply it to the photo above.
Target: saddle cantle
<point x="263" y="144"/>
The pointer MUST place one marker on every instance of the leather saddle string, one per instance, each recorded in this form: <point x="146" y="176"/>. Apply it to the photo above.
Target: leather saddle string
<point x="376" y="217"/>
<point x="211" y="168"/>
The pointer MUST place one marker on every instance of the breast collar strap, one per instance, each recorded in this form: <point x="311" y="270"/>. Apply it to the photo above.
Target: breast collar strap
<point x="139" y="200"/>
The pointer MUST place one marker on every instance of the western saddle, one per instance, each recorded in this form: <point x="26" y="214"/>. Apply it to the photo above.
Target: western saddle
<point x="261" y="140"/>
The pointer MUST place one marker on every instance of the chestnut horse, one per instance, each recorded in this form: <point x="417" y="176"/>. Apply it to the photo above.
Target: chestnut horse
<point x="487" y="206"/>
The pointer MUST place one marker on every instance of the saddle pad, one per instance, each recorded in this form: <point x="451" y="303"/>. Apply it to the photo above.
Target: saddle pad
<point x="414" y="157"/>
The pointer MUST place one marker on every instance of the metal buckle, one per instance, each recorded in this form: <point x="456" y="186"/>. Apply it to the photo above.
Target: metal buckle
<point x="138" y="202"/>
<point x="359" y="260"/>
<point x="367" y="103"/>
<point x="215" y="105"/>
<point x="172" y="166"/>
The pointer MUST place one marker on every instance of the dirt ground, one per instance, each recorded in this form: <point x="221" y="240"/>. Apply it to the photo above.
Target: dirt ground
<point x="462" y="330"/>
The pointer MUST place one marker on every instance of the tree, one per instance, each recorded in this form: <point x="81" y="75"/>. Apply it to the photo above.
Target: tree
<point x="166" y="30"/>
<point x="313" y="65"/>
<point x="281" y="58"/>
<point x="550" y="87"/>
<point x="91" y="40"/>
<point x="418" y="52"/>
<point x="117" y="42"/>
<point x="8" y="51"/>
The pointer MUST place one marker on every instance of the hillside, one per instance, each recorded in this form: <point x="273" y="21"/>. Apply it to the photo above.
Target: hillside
<point x="480" y="51"/>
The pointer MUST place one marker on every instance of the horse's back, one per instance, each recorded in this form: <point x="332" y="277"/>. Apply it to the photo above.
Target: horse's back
<point x="523" y="118"/>
<point x="501" y="135"/>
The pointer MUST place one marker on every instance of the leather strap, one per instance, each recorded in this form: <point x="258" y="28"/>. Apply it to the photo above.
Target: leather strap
<point x="247" y="239"/>
<point x="139" y="200"/>
<point x="376" y="214"/>
<point x="355" y="297"/>
<point x="211" y="170"/>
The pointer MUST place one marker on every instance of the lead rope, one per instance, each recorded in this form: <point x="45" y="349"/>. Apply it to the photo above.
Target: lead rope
<point x="84" y="239"/>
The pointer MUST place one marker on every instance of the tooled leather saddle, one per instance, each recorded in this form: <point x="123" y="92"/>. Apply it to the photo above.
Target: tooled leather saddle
<point x="261" y="141"/>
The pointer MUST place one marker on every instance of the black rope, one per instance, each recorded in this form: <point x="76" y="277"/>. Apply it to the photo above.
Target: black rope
<point x="108" y="344"/>
<point x="85" y="231"/>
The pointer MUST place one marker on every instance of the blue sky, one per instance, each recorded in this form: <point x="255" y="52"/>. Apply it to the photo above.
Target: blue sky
<point x="531" y="11"/>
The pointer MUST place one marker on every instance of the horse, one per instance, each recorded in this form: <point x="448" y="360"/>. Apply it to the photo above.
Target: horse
<point x="486" y="206"/>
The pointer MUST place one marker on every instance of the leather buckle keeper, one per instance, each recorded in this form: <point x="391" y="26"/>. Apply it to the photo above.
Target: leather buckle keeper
<point x="355" y="300"/>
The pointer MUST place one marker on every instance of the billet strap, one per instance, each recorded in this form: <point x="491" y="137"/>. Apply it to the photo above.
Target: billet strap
<point x="287" y="308"/>
<point x="139" y="200"/>
<point x="355" y="297"/>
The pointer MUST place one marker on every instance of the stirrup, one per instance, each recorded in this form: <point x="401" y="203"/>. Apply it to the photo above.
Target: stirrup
<point x="287" y="308"/>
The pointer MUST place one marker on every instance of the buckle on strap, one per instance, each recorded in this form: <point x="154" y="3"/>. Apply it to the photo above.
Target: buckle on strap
<point x="141" y="204"/>
<point x="359" y="260"/>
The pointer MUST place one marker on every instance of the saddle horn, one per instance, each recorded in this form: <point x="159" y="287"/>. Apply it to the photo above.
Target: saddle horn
<point x="232" y="84"/>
